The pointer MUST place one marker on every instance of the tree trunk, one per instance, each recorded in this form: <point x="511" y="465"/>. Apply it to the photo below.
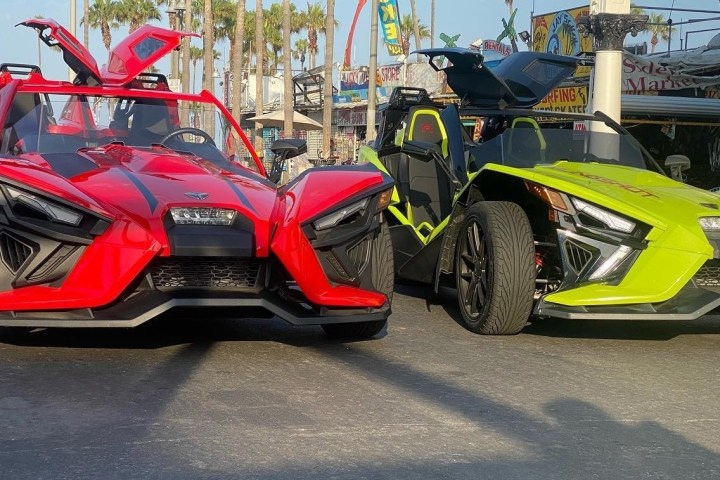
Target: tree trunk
<point x="259" y="62"/>
<point x="208" y="63"/>
<point x="312" y="48"/>
<point x="328" y="88"/>
<point x="86" y="23"/>
<point x="237" y="61"/>
<point x="106" y="36"/>
<point x="185" y="53"/>
<point x="416" y="29"/>
<point x="287" y="71"/>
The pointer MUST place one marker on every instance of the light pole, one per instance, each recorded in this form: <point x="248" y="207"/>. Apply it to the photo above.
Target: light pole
<point x="175" y="11"/>
<point x="73" y="23"/>
<point x="372" y="84"/>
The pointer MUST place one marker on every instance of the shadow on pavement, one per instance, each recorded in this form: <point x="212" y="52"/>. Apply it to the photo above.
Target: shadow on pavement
<point x="575" y="439"/>
<point x="173" y="328"/>
<point x="590" y="329"/>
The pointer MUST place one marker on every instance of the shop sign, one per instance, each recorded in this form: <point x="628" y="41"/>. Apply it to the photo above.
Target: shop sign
<point x="641" y="74"/>
<point x="571" y="99"/>
<point x="558" y="33"/>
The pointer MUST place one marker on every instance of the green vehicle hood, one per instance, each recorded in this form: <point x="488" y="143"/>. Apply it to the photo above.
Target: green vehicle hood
<point x="647" y="196"/>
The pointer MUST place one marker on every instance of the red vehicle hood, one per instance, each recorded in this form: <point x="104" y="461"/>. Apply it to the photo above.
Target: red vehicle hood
<point x="144" y="184"/>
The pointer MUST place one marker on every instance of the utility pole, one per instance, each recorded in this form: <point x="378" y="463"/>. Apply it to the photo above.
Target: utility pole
<point x="432" y="24"/>
<point x="372" y="72"/>
<point x="328" y="85"/>
<point x="86" y="23"/>
<point x="73" y="24"/>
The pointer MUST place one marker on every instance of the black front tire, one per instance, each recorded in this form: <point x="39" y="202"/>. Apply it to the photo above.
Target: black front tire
<point x="495" y="268"/>
<point x="383" y="275"/>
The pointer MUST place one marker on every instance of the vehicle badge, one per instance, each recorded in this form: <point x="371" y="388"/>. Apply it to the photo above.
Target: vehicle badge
<point x="197" y="195"/>
<point x="709" y="205"/>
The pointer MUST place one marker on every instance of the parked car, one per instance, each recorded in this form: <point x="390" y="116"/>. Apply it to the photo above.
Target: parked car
<point x="539" y="216"/>
<point x="122" y="199"/>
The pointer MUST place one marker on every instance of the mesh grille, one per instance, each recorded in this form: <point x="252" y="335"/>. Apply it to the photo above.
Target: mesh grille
<point x="14" y="252"/>
<point x="708" y="275"/>
<point x="205" y="272"/>
<point x="578" y="256"/>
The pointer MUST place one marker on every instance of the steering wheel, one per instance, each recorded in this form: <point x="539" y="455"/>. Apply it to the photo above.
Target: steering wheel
<point x="191" y="130"/>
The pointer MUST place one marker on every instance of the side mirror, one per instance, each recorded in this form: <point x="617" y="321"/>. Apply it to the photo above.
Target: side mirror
<point x="425" y="151"/>
<point x="677" y="164"/>
<point x="289" y="148"/>
<point x="282" y="151"/>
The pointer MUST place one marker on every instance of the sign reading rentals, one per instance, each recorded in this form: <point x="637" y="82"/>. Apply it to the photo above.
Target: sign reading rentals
<point x="390" y="22"/>
<point x="558" y="33"/>
<point x="571" y="99"/>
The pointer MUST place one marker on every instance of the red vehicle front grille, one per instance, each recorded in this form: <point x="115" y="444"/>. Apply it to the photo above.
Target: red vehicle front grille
<point x="205" y="273"/>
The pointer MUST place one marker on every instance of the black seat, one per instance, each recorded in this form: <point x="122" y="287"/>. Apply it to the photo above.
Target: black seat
<point x="23" y="123"/>
<point x="150" y="122"/>
<point x="430" y="191"/>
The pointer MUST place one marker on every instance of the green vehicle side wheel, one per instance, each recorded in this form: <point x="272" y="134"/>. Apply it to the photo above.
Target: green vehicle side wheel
<point x="495" y="268"/>
<point x="383" y="276"/>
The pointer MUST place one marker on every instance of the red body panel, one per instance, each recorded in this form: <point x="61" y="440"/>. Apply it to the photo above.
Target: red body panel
<point x="138" y="51"/>
<point x="312" y="195"/>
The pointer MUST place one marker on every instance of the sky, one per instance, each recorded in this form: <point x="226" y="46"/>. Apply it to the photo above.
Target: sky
<point x="471" y="19"/>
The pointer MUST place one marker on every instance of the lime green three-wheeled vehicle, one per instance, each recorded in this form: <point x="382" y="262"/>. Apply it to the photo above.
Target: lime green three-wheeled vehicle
<point x="536" y="216"/>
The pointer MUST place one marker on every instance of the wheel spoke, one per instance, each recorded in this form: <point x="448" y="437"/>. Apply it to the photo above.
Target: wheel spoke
<point x="472" y="295"/>
<point x="472" y="251"/>
<point x="469" y="260"/>
<point x="476" y="240"/>
<point x="466" y="275"/>
<point x="480" y="294"/>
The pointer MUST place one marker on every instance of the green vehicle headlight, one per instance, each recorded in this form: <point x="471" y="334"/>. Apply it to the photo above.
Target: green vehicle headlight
<point x="710" y="224"/>
<point x="612" y="221"/>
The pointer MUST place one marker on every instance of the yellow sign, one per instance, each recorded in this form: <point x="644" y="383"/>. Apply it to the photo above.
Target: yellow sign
<point x="565" y="99"/>
<point x="558" y="33"/>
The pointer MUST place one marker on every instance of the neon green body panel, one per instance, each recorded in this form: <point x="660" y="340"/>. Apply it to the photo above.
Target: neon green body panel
<point x="677" y="246"/>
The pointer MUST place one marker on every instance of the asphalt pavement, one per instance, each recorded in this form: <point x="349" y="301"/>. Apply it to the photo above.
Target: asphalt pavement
<point x="193" y="396"/>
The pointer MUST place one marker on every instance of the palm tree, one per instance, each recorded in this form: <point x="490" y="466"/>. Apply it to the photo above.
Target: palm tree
<point x="416" y="28"/>
<point x="407" y="30"/>
<point x="236" y="63"/>
<point x="659" y="29"/>
<point x="185" y="54"/>
<point x="274" y="31"/>
<point x="196" y="53"/>
<point x="287" y="68"/>
<point x="136" y="13"/>
<point x="103" y="15"/>
<point x="208" y="62"/>
<point x="259" y="61"/>
<point x="301" y="49"/>
<point x="327" y="88"/>
<point x="315" y="21"/>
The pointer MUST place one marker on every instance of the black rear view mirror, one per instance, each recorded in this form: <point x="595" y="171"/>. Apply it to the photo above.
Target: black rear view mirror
<point x="282" y="151"/>
<point x="677" y="164"/>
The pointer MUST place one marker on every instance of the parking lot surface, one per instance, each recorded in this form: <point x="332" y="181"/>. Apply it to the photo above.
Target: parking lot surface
<point x="192" y="396"/>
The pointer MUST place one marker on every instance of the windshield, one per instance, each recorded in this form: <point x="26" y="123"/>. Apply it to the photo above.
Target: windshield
<point x="527" y="146"/>
<point x="60" y="124"/>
